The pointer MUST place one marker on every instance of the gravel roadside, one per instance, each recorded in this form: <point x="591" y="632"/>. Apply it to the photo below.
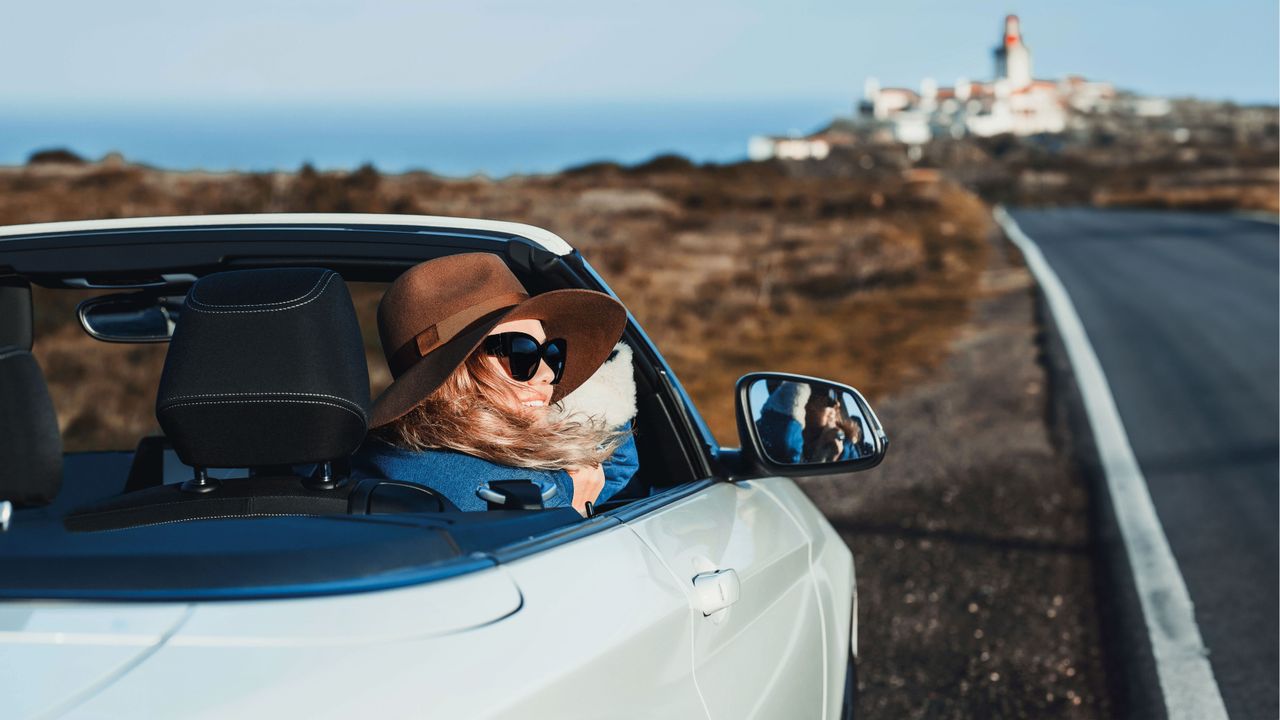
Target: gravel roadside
<point x="972" y="540"/>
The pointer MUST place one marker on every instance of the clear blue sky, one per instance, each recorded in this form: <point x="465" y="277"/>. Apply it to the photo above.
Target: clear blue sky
<point x="402" y="51"/>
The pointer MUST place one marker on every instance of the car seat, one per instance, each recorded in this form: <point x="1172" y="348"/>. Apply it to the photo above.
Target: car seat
<point x="265" y="371"/>
<point x="30" y="446"/>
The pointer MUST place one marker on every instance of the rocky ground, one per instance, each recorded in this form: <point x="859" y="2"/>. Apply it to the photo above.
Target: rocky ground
<point x="972" y="539"/>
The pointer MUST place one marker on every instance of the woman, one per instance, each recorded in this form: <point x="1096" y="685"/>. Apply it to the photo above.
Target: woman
<point x="481" y="372"/>
<point x="830" y="433"/>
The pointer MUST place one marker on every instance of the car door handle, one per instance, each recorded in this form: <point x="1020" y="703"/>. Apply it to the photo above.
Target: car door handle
<point x="715" y="591"/>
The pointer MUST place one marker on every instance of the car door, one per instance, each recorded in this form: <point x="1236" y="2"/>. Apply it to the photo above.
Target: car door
<point x="744" y="565"/>
<point x="585" y="624"/>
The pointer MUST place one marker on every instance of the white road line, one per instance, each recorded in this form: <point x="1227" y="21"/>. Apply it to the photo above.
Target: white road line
<point x="1182" y="664"/>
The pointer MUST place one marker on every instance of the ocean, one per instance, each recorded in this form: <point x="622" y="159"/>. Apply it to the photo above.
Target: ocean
<point x="495" y="139"/>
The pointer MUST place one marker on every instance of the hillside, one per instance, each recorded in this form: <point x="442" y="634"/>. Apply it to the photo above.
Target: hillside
<point x="730" y="269"/>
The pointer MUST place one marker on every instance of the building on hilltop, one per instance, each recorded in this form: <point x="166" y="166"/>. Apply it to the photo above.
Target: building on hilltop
<point x="1013" y="57"/>
<point x="798" y="147"/>
<point x="1014" y="101"/>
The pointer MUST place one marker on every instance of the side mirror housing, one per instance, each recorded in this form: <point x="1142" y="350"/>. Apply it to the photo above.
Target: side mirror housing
<point x="793" y="424"/>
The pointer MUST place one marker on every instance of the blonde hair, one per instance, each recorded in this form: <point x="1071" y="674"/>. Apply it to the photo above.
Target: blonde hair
<point x="470" y="413"/>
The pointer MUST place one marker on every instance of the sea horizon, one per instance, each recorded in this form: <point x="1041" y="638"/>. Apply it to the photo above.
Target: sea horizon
<point x="453" y="139"/>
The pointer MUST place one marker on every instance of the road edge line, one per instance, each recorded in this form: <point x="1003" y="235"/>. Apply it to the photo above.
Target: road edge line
<point x="1187" y="683"/>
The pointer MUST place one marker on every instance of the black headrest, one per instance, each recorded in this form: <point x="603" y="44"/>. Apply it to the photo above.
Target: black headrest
<point x="15" y="313"/>
<point x="266" y="367"/>
<point x="30" y="447"/>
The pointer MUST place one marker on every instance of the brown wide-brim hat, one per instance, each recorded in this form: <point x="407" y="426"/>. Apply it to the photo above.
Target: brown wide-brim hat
<point x="438" y="312"/>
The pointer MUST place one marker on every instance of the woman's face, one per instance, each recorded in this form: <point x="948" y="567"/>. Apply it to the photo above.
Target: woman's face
<point x="817" y="414"/>
<point x="533" y="395"/>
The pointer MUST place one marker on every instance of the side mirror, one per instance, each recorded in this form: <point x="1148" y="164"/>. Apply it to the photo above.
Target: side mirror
<point x="130" y="317"/>
<point x="792" y="423"/>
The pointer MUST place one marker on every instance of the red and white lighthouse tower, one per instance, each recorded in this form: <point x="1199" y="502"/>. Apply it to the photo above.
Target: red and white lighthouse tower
<point x="1013" y="58"/>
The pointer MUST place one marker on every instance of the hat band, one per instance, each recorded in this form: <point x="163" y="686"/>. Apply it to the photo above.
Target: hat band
<point x="433" y="336"/>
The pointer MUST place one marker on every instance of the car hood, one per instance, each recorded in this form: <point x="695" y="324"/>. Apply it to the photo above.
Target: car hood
<point x="103" y="657"/>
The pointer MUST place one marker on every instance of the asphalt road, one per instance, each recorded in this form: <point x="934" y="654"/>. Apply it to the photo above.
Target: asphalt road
<point x="1183" y="311"/>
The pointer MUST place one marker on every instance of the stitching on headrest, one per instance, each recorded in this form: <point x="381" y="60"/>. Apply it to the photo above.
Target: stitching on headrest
<point x="355" y="405"/>
<point x="319" y="280"/>
<point x="13" y="353"/>
<point x="192" y="302"/>
<point x="282" y="400"/>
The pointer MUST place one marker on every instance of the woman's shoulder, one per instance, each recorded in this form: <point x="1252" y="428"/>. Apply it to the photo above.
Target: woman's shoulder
<point x="432" y="461"/>
<point x="456" y="475"/>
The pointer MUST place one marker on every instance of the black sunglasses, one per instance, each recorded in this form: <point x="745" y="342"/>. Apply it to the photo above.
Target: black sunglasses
<point x="523" y="353"/>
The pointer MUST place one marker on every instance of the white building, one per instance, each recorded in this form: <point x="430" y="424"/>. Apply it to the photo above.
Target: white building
<point x="764" y="147"/>
<point x="797" y="147"/>
<point x="1012" y="102"/>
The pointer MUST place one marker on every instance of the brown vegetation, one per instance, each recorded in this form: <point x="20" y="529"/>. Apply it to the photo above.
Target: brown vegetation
<point x="730" y="269"/>
<point x="1217" y="172"/>
<point x="1256" y="189"/>
<point x="1201" y="155"/>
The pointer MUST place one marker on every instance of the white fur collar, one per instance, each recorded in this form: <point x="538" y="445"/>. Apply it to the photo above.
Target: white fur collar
<point x="609" y="394"/>
<point x="789" y="398"/>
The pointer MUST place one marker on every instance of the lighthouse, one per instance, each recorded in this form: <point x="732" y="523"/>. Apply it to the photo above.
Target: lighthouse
<point x="1013" y="59"/>
<point x="1012" y="102"/>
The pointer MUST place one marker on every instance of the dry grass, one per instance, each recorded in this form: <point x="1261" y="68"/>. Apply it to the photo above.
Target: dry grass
<point x="730" y="269"/>
<point x="1231" y="197"/>
<point x="1203" y="177"/>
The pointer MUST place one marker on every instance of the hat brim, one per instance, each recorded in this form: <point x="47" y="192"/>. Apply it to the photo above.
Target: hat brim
<point x="590" y="322"/>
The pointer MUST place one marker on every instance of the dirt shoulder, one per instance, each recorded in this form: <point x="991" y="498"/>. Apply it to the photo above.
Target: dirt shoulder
<point x="972" y="540"/>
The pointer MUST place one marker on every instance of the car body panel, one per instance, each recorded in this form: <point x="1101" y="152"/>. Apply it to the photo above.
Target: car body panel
<point x="75" y="648"/>
<point x="614" y="635"/>
<point x="546" y="239"/>
<point x="419" y="611"/>
<point x="53" y="652"/>
<point x="763" y="656"/>
<point x="833" y="576"/>
<point x="622" y="649"/>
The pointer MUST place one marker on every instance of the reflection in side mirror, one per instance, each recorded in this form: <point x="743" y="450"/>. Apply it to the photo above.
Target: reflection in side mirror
<point x="132" y="317"/>
<point x="791" y="420"/>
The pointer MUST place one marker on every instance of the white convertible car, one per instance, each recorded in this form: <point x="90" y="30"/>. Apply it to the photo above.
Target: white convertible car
<point x="230" y="567"/>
